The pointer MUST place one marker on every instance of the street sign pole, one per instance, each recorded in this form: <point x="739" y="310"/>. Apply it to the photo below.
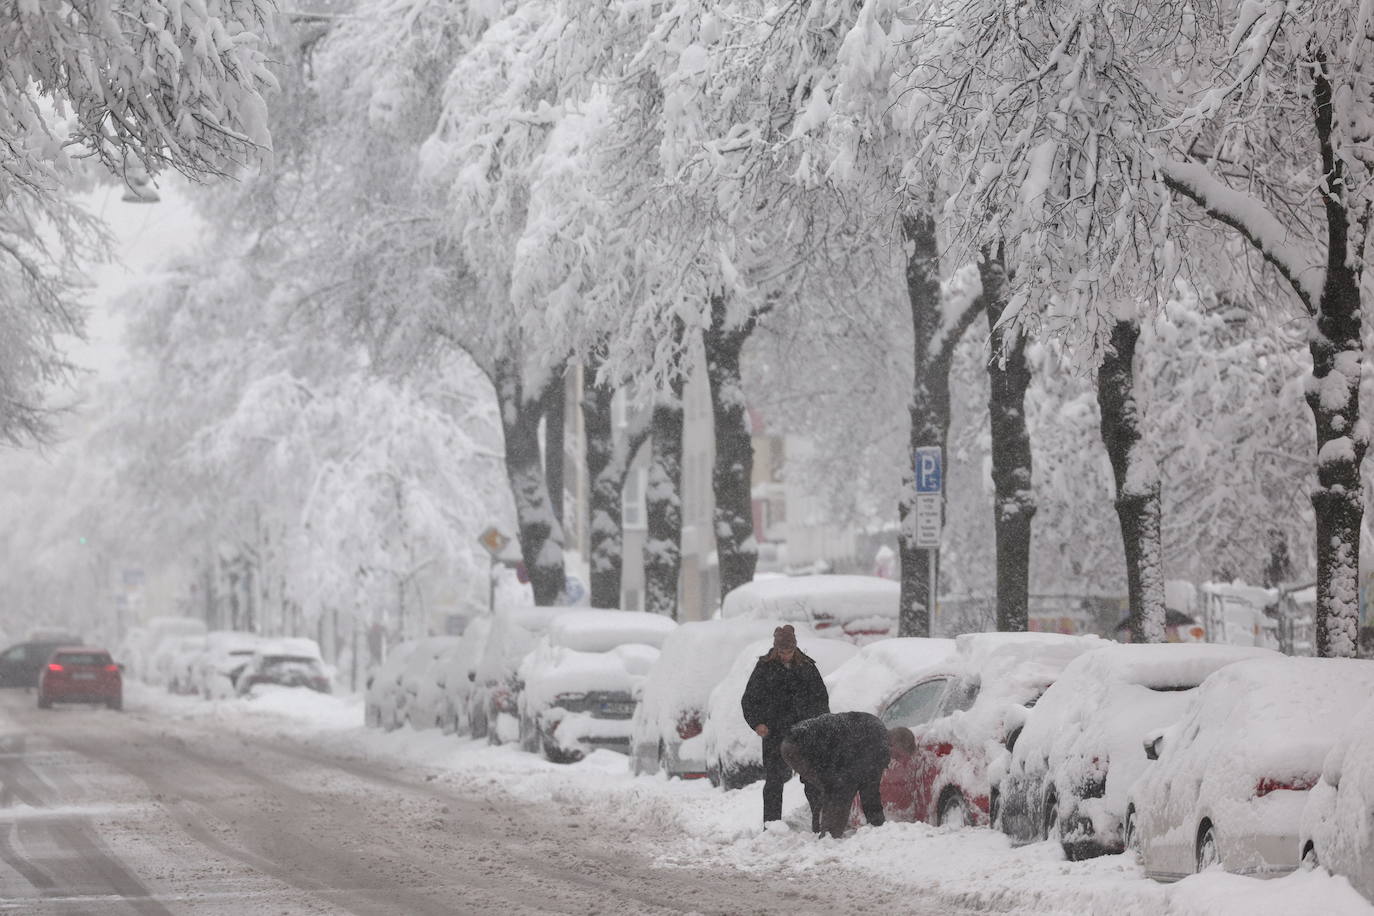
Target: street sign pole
<point x="929" y="467"/>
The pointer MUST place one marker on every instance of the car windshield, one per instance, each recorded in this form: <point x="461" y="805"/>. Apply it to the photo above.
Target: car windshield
<point x="287" y="662"/>
<point x="82" y="658"/>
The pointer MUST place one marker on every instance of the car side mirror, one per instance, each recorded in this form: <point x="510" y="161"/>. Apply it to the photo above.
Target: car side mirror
<point x="1153" y="745"/>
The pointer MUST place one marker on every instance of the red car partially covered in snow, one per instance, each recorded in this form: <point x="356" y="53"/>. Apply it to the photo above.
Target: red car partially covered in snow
<point x="960" y="710"/>
<point x="81" y="674"/>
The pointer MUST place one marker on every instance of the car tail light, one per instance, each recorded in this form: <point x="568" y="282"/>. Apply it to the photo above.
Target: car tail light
<point x="54" y="667"/>
<point x="113" y="669"/>
<point x="689" y="726"/>
<point x="1293" y="784"/>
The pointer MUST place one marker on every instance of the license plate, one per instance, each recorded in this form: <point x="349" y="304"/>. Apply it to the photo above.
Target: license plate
<point x="83" y="676"/>
<point x="619" y="709"/>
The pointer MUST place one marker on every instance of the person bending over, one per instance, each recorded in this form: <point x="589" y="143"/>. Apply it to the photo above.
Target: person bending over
<point x="839" y="755"/>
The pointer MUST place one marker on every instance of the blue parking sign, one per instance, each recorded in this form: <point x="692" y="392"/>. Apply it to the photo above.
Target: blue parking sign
<point x="929" y="476"/>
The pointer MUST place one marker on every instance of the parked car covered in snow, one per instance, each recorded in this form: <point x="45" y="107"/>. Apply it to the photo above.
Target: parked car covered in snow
<point x="423" y="683"/>
<point x="145" y="661"/>
<point x="1080" y="749"/>
<point x="1337" y="827"/>
<point x="960" y="711"/>
<point x="666" y="733"/>
<point x="456" y="675"/>
<point x="215" y="669"/>
<point x="384" y="696"/>
<point x="292" y="661"/>
<point x="493" y="704"/>
<point x="1229" y="780"/>
<point x="181" y="655"/>
<point x="734" y="753"/>
<point x="857" y="608"/>
<point x="417" y="672"/>
<point x="577" y="687"/>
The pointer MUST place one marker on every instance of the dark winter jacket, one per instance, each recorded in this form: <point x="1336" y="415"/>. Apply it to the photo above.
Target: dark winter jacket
<point x="780" y="697"/>
<point x="838" y="749"/>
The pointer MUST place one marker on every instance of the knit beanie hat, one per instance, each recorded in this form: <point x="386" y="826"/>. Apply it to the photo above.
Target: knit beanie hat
<point x="784" y="637"/>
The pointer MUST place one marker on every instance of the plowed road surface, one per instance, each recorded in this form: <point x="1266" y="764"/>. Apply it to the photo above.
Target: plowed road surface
<point x="117" y="813"/>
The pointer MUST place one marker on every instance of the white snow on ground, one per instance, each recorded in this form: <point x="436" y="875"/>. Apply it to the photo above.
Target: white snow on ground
<point x="690" y="824"/>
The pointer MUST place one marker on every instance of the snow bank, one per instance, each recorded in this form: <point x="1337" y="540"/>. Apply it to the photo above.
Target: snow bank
<point x="690" y="825"/>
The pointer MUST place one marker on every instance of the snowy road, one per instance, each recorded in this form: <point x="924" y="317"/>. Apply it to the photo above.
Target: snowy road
<point x="112" y="813"/>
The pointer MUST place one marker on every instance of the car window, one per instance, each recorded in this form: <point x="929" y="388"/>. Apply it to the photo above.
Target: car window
<point x="82" y="658"/>
<point x="961" y="696"/>
<point x="16" y="654"/>
<point x="918" y="705"/>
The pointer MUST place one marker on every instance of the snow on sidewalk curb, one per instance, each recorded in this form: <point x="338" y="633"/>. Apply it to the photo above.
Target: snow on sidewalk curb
<point x="690" y="824"/>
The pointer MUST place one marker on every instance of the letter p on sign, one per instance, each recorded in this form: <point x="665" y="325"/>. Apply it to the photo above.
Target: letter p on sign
<point x="928" y="470"/>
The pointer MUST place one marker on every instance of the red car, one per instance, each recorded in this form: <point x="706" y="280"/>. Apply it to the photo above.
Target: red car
<point x="961" y="712"/>
<point x="80" y="674"/>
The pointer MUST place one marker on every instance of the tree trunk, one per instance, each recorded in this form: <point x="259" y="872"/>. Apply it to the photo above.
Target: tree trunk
<point x="541" y="535"/>
<point x="663" y="506"/>
<point x="1014" y="506"/>
<point x="605" y="503"/>
<point x="732" y="474"/>
<point x="930" y="409"/>
<point x="1334" y="396"/>
<point x="1137" y="485"/>
<point x="555" y="406"/>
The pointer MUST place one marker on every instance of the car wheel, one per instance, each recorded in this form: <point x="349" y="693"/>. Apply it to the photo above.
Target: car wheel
<point x="1131" y="834"/>
<point x="116" y="704"/>
<point x="1208" y="854"/>
<point x="1049" y="824"/>
<point x="713" y="774"/>
<point x="44" y="702"/>
<point x="1309" y="857"/>
<point x="953" y="811"/>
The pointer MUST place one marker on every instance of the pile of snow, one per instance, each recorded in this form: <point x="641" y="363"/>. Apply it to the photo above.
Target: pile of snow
<point x="550" y="671"/>
<point x="692" y="826"/>
<point x="858" y="608"/>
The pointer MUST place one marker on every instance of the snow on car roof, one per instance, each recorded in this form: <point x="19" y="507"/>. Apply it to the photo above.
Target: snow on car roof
<point x="804" y="598"/>
<point x="868" y="680"/>
<point x="601" y="630"/>
<point x="1158" y="665"/>
<point x="1281" y="715"/>
<point x="290" y="645"/>
<point x="1106" y="700"/>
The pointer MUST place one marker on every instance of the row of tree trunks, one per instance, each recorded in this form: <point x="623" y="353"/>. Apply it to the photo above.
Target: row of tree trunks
<point x="541" y="533"/>
<point x="1137" y="484"/>
<point x="1014" y="499"/>
<point x="733" y="471"/>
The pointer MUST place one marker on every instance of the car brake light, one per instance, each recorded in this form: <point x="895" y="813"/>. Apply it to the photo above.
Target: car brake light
<point x="54" y="667"/>
<point x="1296" y="784"/>
<point x="689" y="726"/>
<point x="112" y="668"/>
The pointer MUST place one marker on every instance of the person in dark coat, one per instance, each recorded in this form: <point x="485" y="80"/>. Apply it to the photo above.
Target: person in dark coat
<point x="785" y="688"/>
<point x="841" y="754"/>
